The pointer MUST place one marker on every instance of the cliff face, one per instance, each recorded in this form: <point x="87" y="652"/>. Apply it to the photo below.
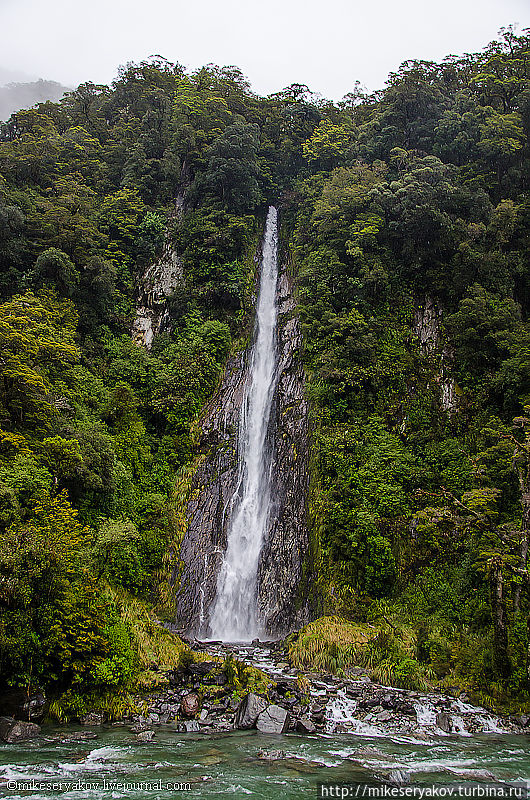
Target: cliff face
<point x="156" y="285"/>
<point x="283" y="587"/>
<point x="427" y="327"/>
<point x="207" y="510"/>
<point x="282" y="593"/>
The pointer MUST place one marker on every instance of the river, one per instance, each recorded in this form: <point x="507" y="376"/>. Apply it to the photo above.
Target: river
<point x="237" y="764"/>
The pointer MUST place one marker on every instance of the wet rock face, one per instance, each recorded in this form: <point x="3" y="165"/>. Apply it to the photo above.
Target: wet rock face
<point x="155" y="286"/>
<point x="427" y="328"/>
<point x="282" y="585"/>
<point x="212" y="488"/>
<point x="283" y="591"/>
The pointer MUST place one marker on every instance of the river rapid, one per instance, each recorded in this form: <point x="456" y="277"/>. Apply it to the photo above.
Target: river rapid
<point x="249" y="764"/>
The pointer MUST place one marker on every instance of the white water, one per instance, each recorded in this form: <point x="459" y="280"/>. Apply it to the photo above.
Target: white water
<point x="234" y="616"/>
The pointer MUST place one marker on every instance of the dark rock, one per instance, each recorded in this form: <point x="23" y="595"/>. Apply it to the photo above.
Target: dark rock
<point x="190" y="704"/>
<point x="140" y="727"/>
<point x="145" y="736"/>
<point x="273" y="720"/>
<point x="15" y="703"/>
<point x="248" y="711"/>
<point x="216" y="680"/>
<point x="202" y="668"/>
<point x="79" y="736"/>
<point x="12" y="730"/>
<point x="92" y="718"/>
<point x="304" y="725"/>
<point x="443" y="721"/>
<point x="217" y="708"/>
<point x="34" y="707"/>
<point x="284" y="686"/>
<point x="384" y="716"/>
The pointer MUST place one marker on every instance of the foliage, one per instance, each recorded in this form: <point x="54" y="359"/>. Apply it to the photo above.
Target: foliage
<point x="405" y="214"/>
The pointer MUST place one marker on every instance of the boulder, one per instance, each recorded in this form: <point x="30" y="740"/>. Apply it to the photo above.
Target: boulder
<point x="15" y="730"/>
<point x="190" y="704"/>
<point x="92" y="718"/>
<point x="144" y="737"/>
<point x="15" y="703"/>
<point x="248" y="711"/>
<point x="140" y="727"/>
<point x="304" y="725"/>
<point x="79" y="736"/>
<point x="273" y="720"/>
<point x="192" y="726"/>
<point x="443" y="721"/>
<point x="271" y="755"/>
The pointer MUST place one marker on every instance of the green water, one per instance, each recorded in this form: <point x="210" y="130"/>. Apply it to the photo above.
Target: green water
<point x="229" y="765"/>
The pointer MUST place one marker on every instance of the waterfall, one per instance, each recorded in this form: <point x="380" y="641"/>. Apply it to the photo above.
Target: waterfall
<point x="234" y="615"/>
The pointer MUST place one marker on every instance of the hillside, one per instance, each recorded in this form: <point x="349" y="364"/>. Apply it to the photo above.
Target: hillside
<point x="405" y="231"/>
<point x="16" y="96"/>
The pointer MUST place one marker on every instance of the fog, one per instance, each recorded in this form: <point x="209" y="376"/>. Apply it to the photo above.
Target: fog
<point x="327" y="45"/>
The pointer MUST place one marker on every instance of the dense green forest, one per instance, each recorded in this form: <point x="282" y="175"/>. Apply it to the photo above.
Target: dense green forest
<point x="414" y="197"/>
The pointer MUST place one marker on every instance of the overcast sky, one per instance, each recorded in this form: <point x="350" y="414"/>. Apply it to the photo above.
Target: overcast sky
<point x="326" y="44"/>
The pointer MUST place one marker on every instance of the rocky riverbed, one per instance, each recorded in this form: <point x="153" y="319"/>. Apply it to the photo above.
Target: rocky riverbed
<point x="201" y="698"/>
<point x="209" y="696"/>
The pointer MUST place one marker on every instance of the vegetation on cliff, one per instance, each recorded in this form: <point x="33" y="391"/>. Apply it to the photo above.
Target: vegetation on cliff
<point x="406" y="214"/>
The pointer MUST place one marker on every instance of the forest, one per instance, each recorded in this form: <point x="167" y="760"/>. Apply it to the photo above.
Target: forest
<point x="405" y="221"/>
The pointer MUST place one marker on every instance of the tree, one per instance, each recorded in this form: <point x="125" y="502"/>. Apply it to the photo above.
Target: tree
<point x="37" y="353"/>
<point x="328" y="146"/>
<point x="232" y="173"/>
<point x="53" y="267"/>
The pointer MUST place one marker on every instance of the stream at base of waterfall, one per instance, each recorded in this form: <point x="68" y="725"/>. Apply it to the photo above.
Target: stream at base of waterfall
<point x="357" y="746"/>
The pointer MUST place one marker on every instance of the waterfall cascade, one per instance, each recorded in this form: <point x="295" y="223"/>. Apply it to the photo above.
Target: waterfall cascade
<point x="234" y="615"/>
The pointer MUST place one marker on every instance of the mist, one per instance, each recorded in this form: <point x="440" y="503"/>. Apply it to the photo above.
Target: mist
<point x="326" y="46"/>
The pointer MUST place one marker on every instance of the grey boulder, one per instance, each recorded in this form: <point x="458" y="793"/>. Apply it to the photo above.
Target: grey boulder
<point x="273" y="720"/>
<point x="92" y="718"/>
<point x="15" y="730"/>
<point x="144" y="737"/>
<point x="304" y="725"/>
<point x="248" y="711"/>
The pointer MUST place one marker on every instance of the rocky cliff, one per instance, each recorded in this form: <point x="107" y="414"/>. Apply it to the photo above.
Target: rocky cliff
<point x="155" y="286"/>
<point x="282" y="589"/>
<point x="282" y="580"/>
<point x="427" y="328"/>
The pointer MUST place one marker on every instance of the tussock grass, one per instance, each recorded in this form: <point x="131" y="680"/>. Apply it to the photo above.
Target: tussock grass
<point x="329" y="644"/>
<point x="156" y="648"/>
<point x="332" y="644"/>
